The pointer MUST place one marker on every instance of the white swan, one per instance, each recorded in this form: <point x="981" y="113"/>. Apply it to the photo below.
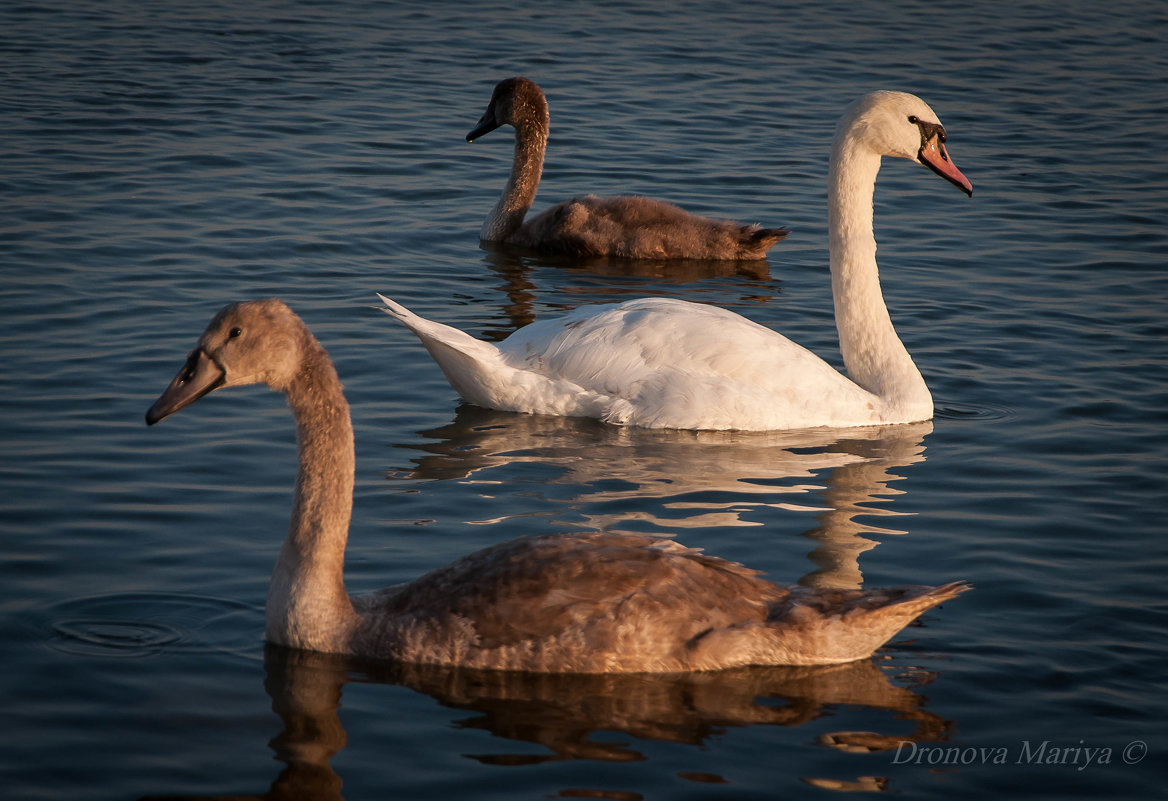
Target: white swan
<point x="584" y="603"/>
<point x="628" y="226"/>
<point x="664" y="363"/>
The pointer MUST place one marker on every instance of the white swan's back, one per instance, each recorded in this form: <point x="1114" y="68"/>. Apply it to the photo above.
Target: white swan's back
<point x="674" y="364"/>
<point x="652" y="363"/>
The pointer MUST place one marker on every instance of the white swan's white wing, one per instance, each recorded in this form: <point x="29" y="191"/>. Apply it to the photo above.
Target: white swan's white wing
<point x="673" y="364"/>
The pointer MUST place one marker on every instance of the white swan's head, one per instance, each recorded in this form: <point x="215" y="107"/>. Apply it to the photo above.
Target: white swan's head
<point x="518" y="102"/>
<point x="902" y="125"/>
<point x="258" y="341"/>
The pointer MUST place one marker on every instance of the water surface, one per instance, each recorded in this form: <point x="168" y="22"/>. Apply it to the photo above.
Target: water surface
<point x="162" y="159"/>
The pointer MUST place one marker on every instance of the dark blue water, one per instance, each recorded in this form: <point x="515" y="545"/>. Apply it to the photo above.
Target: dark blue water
<point x="160" y="159"/>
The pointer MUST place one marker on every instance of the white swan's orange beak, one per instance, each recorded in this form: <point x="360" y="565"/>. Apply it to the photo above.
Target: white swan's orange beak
<point x="934" y="156"/>
<point x="201" y="374"/>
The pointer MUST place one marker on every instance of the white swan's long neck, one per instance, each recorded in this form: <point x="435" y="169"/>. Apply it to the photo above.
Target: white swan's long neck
<point x="873" y="354"/>
<point x="307" y="604"/>
<point x="526" y="168"/>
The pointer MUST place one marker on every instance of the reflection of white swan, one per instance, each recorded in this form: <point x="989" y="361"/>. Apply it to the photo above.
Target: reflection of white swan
<point x="662" y="363"/>
<point x="627" y="479"/>
<point x="621" y="464"/>
<point x="628" y="226"/>
<point x="570" y="603"/>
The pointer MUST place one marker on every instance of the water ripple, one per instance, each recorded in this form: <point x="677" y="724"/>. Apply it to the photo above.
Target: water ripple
<point x="135" y="625"/>
<point x="958" y="410"/>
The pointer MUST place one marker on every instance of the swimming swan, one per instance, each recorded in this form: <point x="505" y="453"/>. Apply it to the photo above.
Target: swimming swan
<point x="584" y="603"/>
<point x="663" y="363"/>
<point x="628" y="226"/>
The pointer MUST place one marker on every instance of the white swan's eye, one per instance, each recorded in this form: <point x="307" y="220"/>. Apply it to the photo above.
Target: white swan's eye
<point x="234" y="332"/>
<point x="913" y="119"/>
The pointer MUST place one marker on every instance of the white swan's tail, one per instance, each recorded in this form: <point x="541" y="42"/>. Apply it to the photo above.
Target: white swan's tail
<point x="471" y="366"/>
<point x="480" y="374"/>
<point x="431" y="332"/>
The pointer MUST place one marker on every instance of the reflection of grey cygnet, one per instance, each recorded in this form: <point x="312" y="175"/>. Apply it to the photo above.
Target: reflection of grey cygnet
<point x="661" y="363"/>
<point x="587" y="603"/>
<point x="628" y="226"/>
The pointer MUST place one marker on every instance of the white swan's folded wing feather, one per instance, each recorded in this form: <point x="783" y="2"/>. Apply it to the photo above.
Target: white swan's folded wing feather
<point x="674" y="364"/>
